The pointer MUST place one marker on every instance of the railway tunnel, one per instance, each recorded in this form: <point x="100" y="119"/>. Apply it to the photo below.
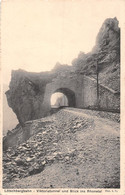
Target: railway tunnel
<point x="68" y="97"/>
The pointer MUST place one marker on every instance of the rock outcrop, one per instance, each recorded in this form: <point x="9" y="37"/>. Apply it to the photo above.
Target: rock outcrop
<point x="26" y="93"/>
<point x="106" y="53"/>
<point x="29" y="93"/>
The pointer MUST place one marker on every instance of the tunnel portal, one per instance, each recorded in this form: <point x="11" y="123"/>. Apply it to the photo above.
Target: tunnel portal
<point x="69" y="94"/>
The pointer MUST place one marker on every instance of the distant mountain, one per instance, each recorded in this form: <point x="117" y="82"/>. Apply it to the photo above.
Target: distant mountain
<point x="9" y="117"/>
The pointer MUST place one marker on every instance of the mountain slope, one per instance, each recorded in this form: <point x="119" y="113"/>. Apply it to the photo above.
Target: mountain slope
<point x="73" y="150"/>
<point x="9" y="117"/>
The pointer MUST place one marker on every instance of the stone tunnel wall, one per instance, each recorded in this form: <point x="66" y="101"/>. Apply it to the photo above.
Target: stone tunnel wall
<point x="73" y="83"/>
<point x="29" y="103"/>
<point x="109" y="99"/>
<point x="85" y="90"/>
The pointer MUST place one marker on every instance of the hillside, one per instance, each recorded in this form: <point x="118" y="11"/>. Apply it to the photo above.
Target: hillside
<point x="9" y="117"/>
<point x="72" y="150"/>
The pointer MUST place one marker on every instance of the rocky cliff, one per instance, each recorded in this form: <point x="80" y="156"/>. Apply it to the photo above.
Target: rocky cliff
<point x="27" y="90"/>
<point x="26" y="93"/>
<point x="105" y="53"/>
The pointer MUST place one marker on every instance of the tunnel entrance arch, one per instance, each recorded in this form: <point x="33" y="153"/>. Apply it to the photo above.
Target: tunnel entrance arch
<point x="70" y="95"/>
<point x="58" y="100"/>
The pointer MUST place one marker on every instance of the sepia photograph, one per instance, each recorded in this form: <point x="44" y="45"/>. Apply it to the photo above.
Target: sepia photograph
<point x="61" y="95"/>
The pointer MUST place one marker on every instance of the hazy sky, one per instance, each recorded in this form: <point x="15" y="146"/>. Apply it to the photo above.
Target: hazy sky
<point x="38" y="33"/>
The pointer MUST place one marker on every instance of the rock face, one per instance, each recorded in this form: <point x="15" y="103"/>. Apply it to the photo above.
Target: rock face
<point x="29" y="94"/>
<point x="106" y="53"/>
<point x="26" y="93"/>
<point x="108" y="36"/>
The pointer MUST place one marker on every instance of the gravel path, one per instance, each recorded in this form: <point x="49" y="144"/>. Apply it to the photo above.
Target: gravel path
<point x="77" y="149"/>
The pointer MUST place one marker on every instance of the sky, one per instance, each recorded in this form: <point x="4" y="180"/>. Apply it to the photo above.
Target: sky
<point x="37" y="34"/>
